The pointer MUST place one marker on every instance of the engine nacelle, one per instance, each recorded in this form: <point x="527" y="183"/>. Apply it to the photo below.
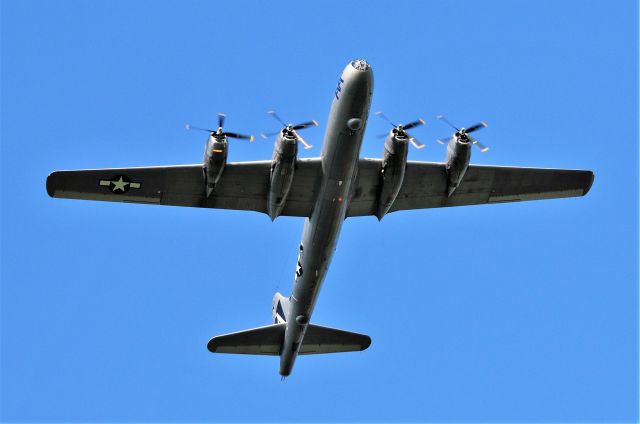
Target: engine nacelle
<point x="394" y="164"/>
<point x="215" y="159"/>
<point x="457" y="161"/>
<point x="283" y="168"/>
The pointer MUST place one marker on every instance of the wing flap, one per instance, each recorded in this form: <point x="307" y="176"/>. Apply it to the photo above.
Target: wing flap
<point x="304" y="189"/>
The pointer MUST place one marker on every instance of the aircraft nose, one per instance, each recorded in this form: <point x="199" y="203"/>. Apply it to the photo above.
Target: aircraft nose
<point x="361" y="65"/>
<point x="355" y="84"/>
<point x="358" y="75"/>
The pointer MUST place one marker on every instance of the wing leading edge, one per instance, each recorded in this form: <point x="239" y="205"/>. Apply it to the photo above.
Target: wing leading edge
<point x="425" y="186"/>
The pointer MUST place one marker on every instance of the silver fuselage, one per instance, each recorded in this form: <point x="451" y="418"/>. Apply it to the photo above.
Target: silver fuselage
<point x="340" y="153"/>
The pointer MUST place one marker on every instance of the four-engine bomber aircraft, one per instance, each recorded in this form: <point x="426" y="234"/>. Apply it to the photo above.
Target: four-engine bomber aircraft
<point x="324" y="190"/>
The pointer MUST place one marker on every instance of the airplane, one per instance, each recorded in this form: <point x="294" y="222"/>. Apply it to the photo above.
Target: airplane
<point x="325" y="191"/>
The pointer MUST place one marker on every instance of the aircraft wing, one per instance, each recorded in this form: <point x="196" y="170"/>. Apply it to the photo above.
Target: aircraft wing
<point x="425" y="186"/>
<point x="243" y="186"/>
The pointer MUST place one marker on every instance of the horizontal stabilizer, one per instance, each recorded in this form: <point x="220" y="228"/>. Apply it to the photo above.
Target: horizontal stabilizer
<point x="265" y="340"/>
<point x="320" y="339"/>
<point x="268" y="341"/>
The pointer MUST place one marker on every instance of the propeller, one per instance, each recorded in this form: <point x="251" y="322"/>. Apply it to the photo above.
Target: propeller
<point x="463" y="133"/>
<point x="219" y="133"/>
<point x="401" y="130"/>
<point x="290" y="129"/>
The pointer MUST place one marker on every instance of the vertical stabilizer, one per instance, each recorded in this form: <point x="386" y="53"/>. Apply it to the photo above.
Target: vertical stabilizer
<point x="279" y="309"/>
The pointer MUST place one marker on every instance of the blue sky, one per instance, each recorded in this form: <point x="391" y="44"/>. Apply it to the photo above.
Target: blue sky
<point x="513" y="312"/>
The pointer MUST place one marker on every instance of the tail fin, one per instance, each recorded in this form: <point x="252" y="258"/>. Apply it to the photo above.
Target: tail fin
<point x="280" y="308"/>
<point x="268" y="341"/>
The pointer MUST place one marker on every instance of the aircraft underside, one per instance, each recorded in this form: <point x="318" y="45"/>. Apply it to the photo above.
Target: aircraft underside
<point x="324" y="190"/>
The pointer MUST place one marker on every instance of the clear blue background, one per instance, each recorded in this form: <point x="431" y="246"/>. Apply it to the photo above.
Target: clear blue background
<point x="513" y="312"/>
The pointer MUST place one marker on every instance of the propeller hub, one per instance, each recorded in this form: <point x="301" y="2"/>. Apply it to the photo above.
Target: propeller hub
<point x="400" y="133"/>
<point x="461" y="135"/>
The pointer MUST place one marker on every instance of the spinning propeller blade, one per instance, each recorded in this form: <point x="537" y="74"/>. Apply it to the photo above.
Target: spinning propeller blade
<point x="269" y="134"/>
<point x="275" y="115"/>
<point x="305" y="125"/>
<point x="383" y="116"/>
<point x="401" y="129"/>
<point x="481" y="146"/>
<point x="416" y="143"/>
<point x="191" y="127"/>
<point x="239" y="136"/>
<point x="290" y="129"/>
<point x="464" y="132"/>
<point x="303" y="142"/>
<point x="221" y="117"/>
<point x="219" y="132"/>
<point x="443" y="118"/>
<point x="477" y="126"/>
<point x="413" y="124"/>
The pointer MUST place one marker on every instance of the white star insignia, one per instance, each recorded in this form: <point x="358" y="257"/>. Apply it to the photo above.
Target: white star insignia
<point x="119" y="185"/>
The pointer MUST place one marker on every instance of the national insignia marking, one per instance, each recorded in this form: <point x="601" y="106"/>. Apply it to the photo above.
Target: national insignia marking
<point x="119" y="184"/>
